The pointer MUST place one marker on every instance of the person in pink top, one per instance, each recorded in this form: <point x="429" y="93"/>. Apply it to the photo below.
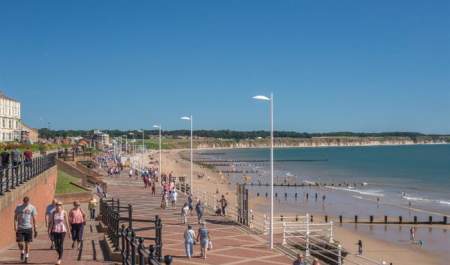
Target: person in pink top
<point x="77" y="220"/>
<point x="58" y="227"/>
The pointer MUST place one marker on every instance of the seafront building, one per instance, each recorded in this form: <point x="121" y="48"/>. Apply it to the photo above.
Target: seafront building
<point x="10" y="125"/>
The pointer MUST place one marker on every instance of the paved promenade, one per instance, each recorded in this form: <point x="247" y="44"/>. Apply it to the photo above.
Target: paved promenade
<point x="231" y="243"/>
<point x="41" y="254"/>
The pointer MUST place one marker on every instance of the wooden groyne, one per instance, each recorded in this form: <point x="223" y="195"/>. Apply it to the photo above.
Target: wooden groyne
<point x="236" y="161"/>
<point x="314" y="184"/>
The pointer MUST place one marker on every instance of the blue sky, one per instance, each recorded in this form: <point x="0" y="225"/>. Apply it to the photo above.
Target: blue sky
<point x="333" y="65"/>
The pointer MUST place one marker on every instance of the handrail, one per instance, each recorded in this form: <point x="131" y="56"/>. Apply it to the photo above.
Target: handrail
<point x="15" y="173"/>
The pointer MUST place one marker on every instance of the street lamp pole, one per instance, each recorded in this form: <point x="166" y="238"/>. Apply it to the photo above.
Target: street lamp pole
<point x="270" y="99"/>
<point x="190" y="118"/>
<point x="160" y="156"/>
<point x="143" y="148"/>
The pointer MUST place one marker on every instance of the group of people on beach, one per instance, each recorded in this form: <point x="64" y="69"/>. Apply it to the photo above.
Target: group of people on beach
<point x="58" y="223"/>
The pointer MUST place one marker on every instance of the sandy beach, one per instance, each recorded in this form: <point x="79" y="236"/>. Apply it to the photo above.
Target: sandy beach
<point x="209" y="185"/>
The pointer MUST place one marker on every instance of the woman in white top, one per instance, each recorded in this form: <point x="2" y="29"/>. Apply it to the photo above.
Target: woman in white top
<point x="58" y="227"/>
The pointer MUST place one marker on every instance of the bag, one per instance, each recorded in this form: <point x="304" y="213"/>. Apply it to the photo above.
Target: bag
<point x="210" y="245"/>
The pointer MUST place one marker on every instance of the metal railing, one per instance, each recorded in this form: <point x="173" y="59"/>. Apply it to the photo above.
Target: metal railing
<point x="133" y="250"/>
<point x="124" y="239"/>
<point x="14" y="174"/>
<point x="299" y="233"/>
<point x="183" y="187"/>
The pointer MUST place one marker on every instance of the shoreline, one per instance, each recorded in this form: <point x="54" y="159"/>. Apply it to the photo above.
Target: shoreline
<point x="216" y="183"/>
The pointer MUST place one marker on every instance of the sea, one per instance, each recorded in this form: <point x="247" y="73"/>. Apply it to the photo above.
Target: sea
<point x="413" y="177"/>
<point x="411" y="181"/>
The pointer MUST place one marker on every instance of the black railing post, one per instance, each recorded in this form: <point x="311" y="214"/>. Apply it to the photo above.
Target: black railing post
<point x="127" y="249"/>
<point x="130" y="215"/>
<point x="122" y="237"/>
<point x="158" y="237"/>
<point x="141" y="250"/>
<point x="151" y="255"/>
<point x="2" y="172"/>
<point x="133" y="248"/>
<point x="6" y="175"/>
<point x="116" y="229"/>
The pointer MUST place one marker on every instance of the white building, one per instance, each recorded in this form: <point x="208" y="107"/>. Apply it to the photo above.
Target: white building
<point x="10" y="126"/>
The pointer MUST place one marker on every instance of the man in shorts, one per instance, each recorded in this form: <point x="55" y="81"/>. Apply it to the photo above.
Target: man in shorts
<point x="24" y="225"/>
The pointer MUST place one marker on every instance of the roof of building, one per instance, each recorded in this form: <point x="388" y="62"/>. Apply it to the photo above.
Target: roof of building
<point x="2" y="95"/>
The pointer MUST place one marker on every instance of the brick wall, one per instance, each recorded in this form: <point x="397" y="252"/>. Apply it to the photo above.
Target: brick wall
<point x="40" y="189"/>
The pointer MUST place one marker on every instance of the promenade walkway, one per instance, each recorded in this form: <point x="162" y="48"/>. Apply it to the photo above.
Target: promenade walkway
<point x="41" y="254"/>
<point x="231" y="243"/>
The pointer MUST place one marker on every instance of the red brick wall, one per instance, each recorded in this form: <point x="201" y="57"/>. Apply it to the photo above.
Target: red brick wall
<point x="40" y="189"/>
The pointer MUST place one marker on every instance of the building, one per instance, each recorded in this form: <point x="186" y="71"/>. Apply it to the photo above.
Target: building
<point x="29" y="135"/>
<point x="10" y="125"/>
<point x="100" y="140"/>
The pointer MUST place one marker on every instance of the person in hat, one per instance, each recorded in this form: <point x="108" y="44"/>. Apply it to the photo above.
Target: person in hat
<point x="92" y="206"/>
<point x="58" y="227"/>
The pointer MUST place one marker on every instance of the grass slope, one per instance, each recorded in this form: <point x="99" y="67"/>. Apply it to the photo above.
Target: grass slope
<point x="63" y="184"/>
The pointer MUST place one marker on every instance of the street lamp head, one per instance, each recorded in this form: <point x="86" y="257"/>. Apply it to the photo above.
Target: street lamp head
<point x="260" y="97"/>
<point x="157" y="126"/>
<point x="186" y="118"/>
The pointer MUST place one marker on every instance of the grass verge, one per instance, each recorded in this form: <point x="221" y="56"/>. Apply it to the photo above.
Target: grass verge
<point x="63" y="184"/>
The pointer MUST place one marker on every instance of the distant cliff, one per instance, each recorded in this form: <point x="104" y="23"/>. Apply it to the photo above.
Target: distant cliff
<point x="319" y="142"/>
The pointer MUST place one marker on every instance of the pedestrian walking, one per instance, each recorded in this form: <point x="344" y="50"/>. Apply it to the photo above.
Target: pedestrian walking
<point x="199" y="209"/>
<point x="360" y="247"/>
<point x="189" y="237"/>
<point x="92" y="206"/>
<point x="48" y="214"/>
<point x="173" y="197"/>
<point x="24" y="226"/>
<point x="154" y="189"/>
<point x="59" y="226"/>
<point x="28" y="157"/>
<point x="184" y="213"/>
<point x="16" y="159"/>
<point x="190" y="201"/>
<point x="203" y="237"/>
<point x="412" y="233"/>
<point x="77" y="220"/>
<point x="223" y="204"/>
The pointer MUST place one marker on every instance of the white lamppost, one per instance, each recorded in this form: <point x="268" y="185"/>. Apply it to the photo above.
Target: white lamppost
<point x="160" y="156"/>
<point x="270" y="99"/>
<point x="143" y="150"/>
<point x="190" y="118"/>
